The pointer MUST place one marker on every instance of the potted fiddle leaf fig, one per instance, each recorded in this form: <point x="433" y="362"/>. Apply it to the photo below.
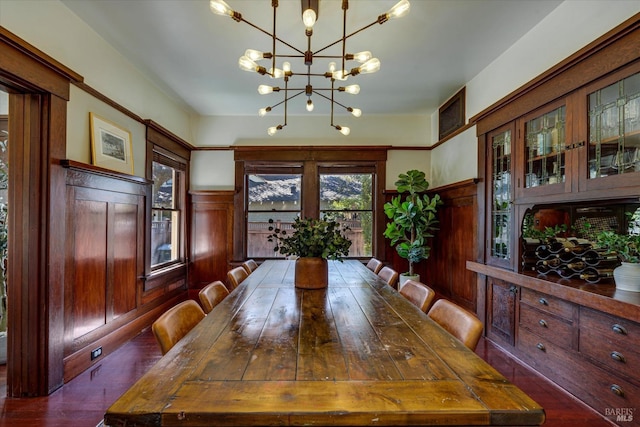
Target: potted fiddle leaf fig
<point x="413" y="220"/>
<point x="313" y="242"/>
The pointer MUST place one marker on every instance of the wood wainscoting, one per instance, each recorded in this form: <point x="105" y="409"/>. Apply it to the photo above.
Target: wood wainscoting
<point x="105" y="301"/>
<point x="211" y="238"/>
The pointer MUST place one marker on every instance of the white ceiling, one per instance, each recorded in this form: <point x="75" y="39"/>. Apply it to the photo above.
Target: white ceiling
<point x="192" y="54"/>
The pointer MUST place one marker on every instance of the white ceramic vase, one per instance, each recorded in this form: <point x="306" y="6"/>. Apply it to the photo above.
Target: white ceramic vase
<point x="627" y="277"/>
<point x="404" y="277"/>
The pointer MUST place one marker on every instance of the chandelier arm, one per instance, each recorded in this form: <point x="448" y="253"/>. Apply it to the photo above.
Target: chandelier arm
<point x="288" y="98"/>
<point x="273" y="51"/>
<point x="271" y="35"/>
<point x="345" y="37"/>
<point x="331" y="99"/>
<point x="345" y="6"/>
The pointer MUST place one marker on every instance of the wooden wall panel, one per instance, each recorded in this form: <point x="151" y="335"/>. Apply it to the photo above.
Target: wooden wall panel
<point x="125" y="257"/>
<point x="87" y="291"/>
<point x="211" y="237"/>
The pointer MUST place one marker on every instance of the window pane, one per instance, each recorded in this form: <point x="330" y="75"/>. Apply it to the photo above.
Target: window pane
<point x="347" y="198"/>
<point x="340" y="192"/>
<point x="163" y="188"/>
<point x="274" y="192"/>
<point x="164" y="236"/>
<point x="258" y="229"/>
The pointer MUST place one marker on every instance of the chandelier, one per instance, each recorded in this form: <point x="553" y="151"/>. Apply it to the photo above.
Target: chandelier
<point x="367" y="63"/>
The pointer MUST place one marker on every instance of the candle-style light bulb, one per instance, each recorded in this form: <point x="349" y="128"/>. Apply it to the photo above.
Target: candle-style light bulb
<point x="363" y="56"/>
<point x="343" y="130"/>
<point x="356" y="112"/>
<point x="245" y="63"/>
<point x="254" y="55"/>
<point x="351" y="89"/>
<point x="309" y="18"/>
<point x="265" y="89"/>
<point x="309" y="105"/>
<point x="276" y="73"/>
<point x="263" y="111"/>
<point x="219" y="7"/>
<point x="399" y="10"/>
<point x="272" y="130"/>
<point x="371" y="66"/>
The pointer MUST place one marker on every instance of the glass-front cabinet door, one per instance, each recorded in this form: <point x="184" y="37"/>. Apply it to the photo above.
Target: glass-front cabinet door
<point x="613" y="132"/>
<point x="543" y="152"/>
<point x="500" y="169"/>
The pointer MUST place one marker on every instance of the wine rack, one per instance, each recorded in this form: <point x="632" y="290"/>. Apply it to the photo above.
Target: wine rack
<point x="570" y="259"/>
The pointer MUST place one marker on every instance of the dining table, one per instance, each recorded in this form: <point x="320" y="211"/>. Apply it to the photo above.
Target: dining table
<point x="356" y="353"/>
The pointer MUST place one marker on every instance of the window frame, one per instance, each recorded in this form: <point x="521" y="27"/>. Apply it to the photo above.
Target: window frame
<point x="312" y="160"/>
<point x="166" y="148"/>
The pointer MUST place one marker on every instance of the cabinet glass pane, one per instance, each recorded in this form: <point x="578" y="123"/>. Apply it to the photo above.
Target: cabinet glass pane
<point x="614" y="128"/>
<point x="501" y="209"/>
<point x="545" y="149"/>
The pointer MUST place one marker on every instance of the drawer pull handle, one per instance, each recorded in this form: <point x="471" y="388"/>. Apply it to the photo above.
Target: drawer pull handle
<point x="619" y="357"/>
<point x="543" y="323"/>
<point x="619" y="329"/>
<point x="541" y="347"/>
<point x="543" y="301"/>
<point x="617" y="390"/>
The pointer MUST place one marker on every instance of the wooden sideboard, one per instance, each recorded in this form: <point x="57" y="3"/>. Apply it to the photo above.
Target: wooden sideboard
<point x="582" y="337"/>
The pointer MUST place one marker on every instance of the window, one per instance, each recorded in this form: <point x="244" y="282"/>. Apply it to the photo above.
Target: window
<point x="348" y="198"/>
<point x="270" y="196"/>
<point x="345" y="185"/>
<point x="167" y="168"/>
<point x="165" y="215"/>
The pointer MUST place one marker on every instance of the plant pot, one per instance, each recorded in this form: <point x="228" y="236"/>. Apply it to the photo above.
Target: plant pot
<point x="404" y="277"/>
<point x="311" y="273"/>
<point x="627" y="277"/>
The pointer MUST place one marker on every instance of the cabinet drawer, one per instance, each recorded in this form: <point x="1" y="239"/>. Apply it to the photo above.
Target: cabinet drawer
<point x="611" y="342"/>
<point x="548" y="326"/>
<point x="621" y="332"/>
<point x="548" y="303"/>
<point x="596" y="387"/>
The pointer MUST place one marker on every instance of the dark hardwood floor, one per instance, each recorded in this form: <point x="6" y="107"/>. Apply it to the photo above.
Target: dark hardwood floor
<point x="82" y="401"/>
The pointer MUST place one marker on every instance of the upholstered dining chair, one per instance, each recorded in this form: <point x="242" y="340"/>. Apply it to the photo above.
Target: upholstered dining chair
<point x="389" y="275"/>
<point x="212" y="294"/>
<point x="374" y="265"/>
<point x="236" y="276"/>
<point x="175" y="323"/>
<point x="418" y="294"/>
<point x="460" y="323"/>
<point x="250" y="266"/>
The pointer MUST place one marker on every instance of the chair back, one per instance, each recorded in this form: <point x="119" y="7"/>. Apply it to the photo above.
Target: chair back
<point x="460" y="323"/>
<point x="236" y="276"/>
<point x="212" y="294"/>
<point x="249" y="266"/>
<point x="389" y="275"/>
<point x="175" y="323"/>
<point x="374" y="265"/>
<point x="418" y="294"/>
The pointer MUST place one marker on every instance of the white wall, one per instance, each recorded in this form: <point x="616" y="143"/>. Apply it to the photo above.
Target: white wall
<point x="55" y="30"/>
<point x="570" y="27"/>
<point x="52" y="28"/>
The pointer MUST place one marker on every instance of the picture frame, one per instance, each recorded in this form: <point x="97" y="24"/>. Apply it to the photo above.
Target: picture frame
<point x="451" y="116"/>
<point x="110" y="145"/>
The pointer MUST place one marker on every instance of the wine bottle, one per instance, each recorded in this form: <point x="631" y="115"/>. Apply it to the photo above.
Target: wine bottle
<point x="567" y="273"/>
<point x="552" y="262"/>
<point x="579" y="248"/>
<point x="577" y="266"/>
<point x="594" y="275"/>
<point x="593" y="256"/>
<point x="544" y="252"/>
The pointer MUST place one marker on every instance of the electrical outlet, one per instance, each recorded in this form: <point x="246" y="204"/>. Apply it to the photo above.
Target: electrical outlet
<point x="96" y="353"/>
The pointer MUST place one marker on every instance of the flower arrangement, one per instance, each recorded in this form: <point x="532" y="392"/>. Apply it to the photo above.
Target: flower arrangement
<point x="319" y="238"/>
<point x="626" y="246"/>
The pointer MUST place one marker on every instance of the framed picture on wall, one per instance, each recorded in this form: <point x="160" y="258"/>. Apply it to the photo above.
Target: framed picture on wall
<point x="110" y="145"/>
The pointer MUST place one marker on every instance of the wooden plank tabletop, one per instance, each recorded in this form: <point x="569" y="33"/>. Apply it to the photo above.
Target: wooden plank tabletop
<point x="354" y="354"/>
